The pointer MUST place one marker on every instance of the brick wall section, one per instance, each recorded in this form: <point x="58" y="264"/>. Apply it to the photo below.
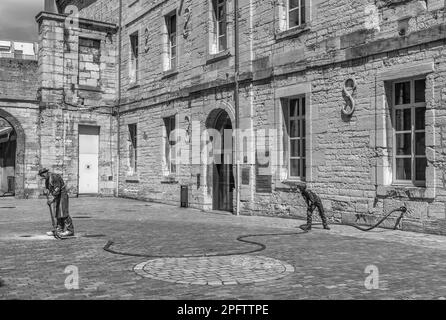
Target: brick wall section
<point x="18" y="79"/>
<point x="98" y="10"/>
<point x="89" y="62"/>
<point x="101" y="10"/>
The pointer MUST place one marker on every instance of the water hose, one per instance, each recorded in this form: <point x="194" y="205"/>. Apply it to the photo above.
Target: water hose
<point x="242" y="238"/>
<point x="402" y="209"/>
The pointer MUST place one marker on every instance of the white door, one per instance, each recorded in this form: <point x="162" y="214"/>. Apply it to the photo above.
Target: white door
<point x="88" y="161"/>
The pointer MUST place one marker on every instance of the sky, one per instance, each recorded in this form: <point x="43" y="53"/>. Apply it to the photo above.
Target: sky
<point x="17" y="19"/>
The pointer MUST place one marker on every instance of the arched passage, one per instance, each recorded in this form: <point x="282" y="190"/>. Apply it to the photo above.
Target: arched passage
<point x="220" y="172"/>
<point x="14" y="138"/>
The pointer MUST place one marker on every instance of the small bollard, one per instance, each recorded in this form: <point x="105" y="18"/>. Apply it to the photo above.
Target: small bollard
<point x="184" y="196"/>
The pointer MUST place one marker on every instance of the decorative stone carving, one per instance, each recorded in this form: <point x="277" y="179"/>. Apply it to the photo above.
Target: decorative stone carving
<point x="186" y="27"/>
<point x="187" y="138"/>
<point x="146" y="40"/>
<point x="349" y="107"/>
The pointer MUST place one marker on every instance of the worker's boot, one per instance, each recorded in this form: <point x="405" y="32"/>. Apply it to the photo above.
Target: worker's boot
<point x="51" y="233"/>
<point x="58" y="230"/>
<point x="67" y="233"/>
<point x="69" y="228"/>
<point x="323" y="218"/>
<point x="306" y="227"/>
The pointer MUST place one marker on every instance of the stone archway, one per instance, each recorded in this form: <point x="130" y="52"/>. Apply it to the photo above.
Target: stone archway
<point x="20" y="153"/>
<point x="223" y="106"/>
<point x="220" y="174"/>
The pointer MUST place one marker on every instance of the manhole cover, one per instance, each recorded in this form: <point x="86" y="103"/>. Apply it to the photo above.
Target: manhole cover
<point x="26" y="236"/>
<point x="215" y="271"/>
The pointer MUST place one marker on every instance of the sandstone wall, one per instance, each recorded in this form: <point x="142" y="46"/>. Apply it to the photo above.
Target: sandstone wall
<point x="347" y="158"/>
<point x="78" y="87"/>
<point x="18" y="79"/>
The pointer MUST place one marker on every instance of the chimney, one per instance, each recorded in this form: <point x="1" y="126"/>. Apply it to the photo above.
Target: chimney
<point x="50" y="6"/>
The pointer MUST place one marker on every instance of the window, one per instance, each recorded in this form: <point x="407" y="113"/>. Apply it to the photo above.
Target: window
<point x="295" y="118"/>
<point x="171" y="23"/>
<point x="89" y="62"/>
<point x="134" y="57"/>
<point x="409" y="132"/>
<point x="295" y="13"/>
<point x="133" y="147"/>
<point x="219" y="26"/>
<point x="170" y="142"/>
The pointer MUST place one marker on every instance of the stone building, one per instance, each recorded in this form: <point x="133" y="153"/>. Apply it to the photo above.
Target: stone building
<point x="348" y="96"/>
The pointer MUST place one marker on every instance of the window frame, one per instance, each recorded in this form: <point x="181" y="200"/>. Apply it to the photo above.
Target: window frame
<point x="216" y="21"/>
<point x="134" y="147"/>
<point x="301" y="118"/>
<point x="172" y="48"/>
<point x="97" y="63"/>
<point x="412" y="105"/>
<point x="170" y="154"/>
<point x="299" y="7"/>
<point x="134" y="58"/>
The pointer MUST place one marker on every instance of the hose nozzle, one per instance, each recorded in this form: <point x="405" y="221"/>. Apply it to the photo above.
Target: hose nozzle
<point x="403" y="209"/>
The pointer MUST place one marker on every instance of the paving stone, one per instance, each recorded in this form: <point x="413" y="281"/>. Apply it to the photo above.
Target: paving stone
<point x="327" y="265"/>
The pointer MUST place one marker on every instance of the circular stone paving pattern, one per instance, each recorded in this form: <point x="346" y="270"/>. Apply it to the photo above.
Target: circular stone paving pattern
<point x="215" y="271"/>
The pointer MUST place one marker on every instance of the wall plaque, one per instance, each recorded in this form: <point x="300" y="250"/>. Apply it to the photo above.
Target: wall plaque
<point x="264" y="184"/>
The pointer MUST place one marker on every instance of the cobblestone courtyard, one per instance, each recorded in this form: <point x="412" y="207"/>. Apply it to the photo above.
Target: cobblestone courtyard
<point x="293" y="265"/>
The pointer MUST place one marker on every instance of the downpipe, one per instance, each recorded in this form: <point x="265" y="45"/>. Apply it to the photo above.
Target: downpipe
<point x="118" y="108"/>
<point x="237" y="103"/>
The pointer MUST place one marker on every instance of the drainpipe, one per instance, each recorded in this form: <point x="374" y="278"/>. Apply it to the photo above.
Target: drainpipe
<point x="237" y="102"/>
<point x="119" y="98"/>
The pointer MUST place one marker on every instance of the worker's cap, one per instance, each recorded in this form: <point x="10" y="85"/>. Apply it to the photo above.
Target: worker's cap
<point x="42" y="171"/>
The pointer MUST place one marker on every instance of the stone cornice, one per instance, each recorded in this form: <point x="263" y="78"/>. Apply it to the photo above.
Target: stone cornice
<point x="83" y="23"/>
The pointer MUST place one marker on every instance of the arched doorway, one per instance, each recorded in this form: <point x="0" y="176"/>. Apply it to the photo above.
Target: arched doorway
<point x="8" y="147"/>
<point x="222" y="168"/>
<point x="12" y="156"/>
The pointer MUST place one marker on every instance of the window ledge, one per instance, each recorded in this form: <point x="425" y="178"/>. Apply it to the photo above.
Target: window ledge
<point x="214" y="57"/>
<point x="288" y="185"/>
<point x="169" y="73"/>
<point x="291" y="33"/>
<point x="133" y="86"/>
<point x="89" y="88"/>
<point x="390" y="3"/>
<point x="411" y="192"/>
<point x="131" y="4"/>
<point x="132" y="178"/>
<point x="169" y="180"/>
